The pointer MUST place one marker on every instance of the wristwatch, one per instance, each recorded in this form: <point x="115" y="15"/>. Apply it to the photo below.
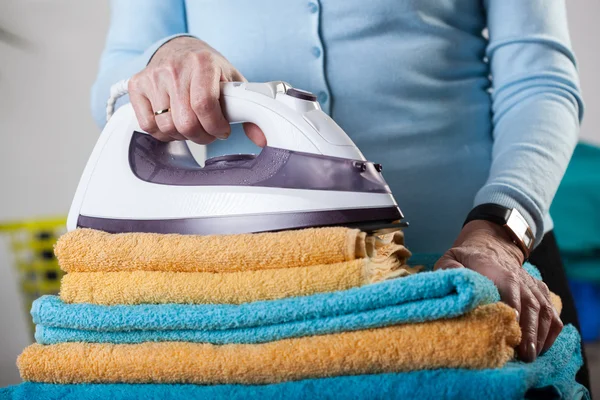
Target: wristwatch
<point x="511" y="219"/>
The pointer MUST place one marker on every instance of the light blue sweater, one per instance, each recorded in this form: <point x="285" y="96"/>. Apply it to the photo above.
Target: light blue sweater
<point x="408" y="80"/>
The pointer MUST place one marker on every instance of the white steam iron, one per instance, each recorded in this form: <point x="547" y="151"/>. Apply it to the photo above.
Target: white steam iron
<point x="310" y="174"/>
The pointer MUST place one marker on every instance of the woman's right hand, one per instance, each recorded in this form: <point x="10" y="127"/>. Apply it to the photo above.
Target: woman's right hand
<point x="184" y="75"/>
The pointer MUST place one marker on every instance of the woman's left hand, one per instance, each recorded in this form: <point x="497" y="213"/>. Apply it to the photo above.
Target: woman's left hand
<point x="486" y="248"/>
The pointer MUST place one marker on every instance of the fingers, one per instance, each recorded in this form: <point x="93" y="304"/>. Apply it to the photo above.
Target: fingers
<point x="255" y="134"/>
<point x="184" y="118"/>
<point x="529" y="320"/>
<point x="538" y="319"/>
<point x="539" y="322"/>
<point x="509" y="288"/>
<point x="550" y="317"/>
<point x="145" y="99"/>
<point x="143" y="112"/>
<point x="190" y="88"/>
<point x="236" y="76"/>
<point x="204" y="100"/>
<point x="544" y="315"/>
<point x="549" y="324"/>
<point x="161" y="100"/>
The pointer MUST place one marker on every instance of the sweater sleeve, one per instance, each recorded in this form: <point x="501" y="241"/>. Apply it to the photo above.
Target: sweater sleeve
<point x="137" y="29"/>
<point x="536" y="105"/>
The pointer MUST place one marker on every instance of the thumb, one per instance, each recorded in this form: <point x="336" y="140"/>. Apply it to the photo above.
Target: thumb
<point x="447" y="261"/>
<point x="255" y="134"/>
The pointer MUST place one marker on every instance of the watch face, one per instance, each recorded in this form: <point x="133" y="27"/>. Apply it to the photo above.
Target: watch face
<point x="520" y="229"/>
<point x="528" y="240"/>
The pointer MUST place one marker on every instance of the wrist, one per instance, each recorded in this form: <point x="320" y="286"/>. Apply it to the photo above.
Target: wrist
<point x="510" y="219"/>
<point x="178" y="43"/>
<point x="478" y="233"/>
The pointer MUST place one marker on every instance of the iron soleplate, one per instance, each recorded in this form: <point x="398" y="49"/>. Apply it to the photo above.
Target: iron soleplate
<point x="368" y="219"/>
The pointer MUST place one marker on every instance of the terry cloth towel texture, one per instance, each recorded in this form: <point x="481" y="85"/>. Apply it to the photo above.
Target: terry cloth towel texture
<point x="88" y="250"/>
<point x="551" y="376"/>
<point x="135" y="286"/>
<point x="158" y="287"/>
<point x="483" y="338"/>
<point x="417" y="298"/>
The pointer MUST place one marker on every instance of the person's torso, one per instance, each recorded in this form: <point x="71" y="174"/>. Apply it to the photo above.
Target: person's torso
<point x="406" y="79"/>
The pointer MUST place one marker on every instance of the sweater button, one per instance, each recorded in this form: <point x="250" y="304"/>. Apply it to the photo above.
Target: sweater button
<point x="316" y="52"/>
<point x="313" y="8"/>
<point x="322" y="97"/>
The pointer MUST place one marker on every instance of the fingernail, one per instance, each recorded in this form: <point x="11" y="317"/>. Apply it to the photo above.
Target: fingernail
<point x="531" y="352"/>
<point x="225" y="135"/>
<point x="517" y="315"/>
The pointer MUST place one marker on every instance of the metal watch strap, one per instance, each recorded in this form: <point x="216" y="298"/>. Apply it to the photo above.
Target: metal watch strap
<point x="501" y="215"/>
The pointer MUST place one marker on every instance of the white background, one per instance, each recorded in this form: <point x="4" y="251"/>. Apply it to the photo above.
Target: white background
<point x="47" y="132"/>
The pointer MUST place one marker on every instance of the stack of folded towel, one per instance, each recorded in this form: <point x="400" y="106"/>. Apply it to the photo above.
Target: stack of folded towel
<point x="316" y="313"/>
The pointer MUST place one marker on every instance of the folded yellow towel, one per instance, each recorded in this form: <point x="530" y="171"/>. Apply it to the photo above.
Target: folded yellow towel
<point x="484" y="338"/>
<point x="138" y="287"/>
<point x="382" y="258"/>
<point x="87" y="250"/>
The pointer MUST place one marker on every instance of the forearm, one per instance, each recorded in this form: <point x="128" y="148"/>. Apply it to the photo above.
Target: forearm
<point x="531" y="151"/>
<point x="537" y="106"/>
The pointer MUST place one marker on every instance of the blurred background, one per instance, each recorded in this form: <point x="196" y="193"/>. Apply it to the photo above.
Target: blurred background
<point x="49" y="50"/>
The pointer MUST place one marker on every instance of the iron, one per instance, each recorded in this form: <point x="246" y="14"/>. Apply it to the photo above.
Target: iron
<point x="310" y="174"/>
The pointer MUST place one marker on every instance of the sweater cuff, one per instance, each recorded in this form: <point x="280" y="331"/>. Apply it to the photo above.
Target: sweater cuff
<point x="510" y="197"/>
<point x="145" y="58"/>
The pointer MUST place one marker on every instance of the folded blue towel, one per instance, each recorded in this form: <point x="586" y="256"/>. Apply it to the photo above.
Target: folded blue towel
<point x="551" y="376"/>
<point x="422" y="297"/>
